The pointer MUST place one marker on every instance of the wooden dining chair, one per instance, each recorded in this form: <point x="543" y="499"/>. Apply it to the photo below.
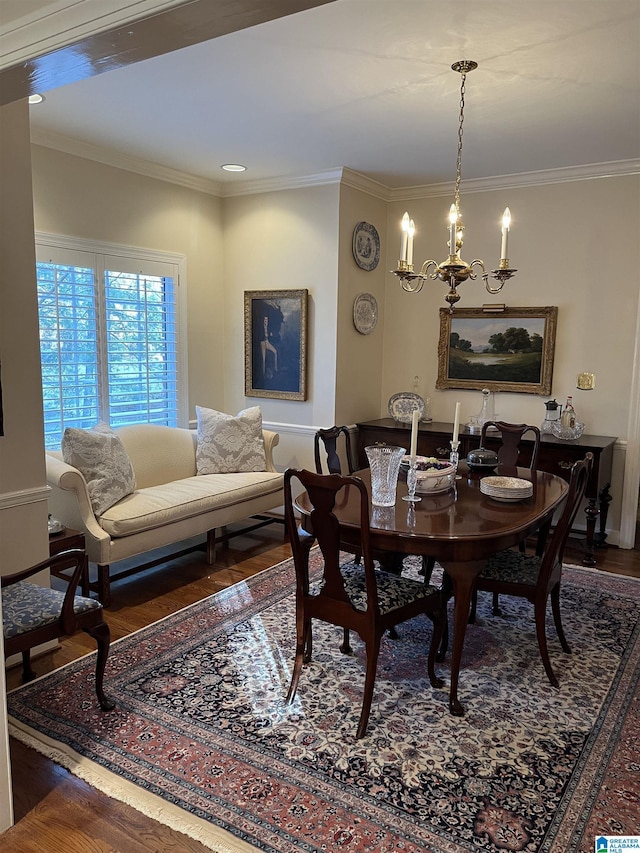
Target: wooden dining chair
<point x="329" y="439"/>
<point x="33" y="614"/>
<point x="537" y="578"/>
<point x="511" y="436"/>
<point x="355" y="597"/>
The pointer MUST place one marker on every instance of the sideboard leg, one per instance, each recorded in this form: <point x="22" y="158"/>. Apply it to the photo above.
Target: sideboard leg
<point x="592" y="513"/>
<point x="605" y="499"/>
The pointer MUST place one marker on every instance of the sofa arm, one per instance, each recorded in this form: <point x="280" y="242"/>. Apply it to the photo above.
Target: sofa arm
<point x="69" y="498"/>
<point x="271" y="439"/>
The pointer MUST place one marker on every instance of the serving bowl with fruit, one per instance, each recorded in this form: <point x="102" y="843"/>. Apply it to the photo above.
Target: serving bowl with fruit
<point x="434" y="475"/>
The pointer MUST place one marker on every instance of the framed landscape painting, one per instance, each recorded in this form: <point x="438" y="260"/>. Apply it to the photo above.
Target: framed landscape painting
<point x="275" y="344"/>
<point x="503" y="350"/>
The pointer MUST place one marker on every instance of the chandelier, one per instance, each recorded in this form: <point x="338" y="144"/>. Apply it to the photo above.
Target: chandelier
<point x="453" y="271"/>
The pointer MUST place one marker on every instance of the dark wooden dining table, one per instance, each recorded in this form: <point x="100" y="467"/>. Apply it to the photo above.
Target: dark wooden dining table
<point x="460" y="528"/>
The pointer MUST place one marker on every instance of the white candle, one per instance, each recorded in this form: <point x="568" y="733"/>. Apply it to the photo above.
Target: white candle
<point x="506" y="222"/>
<point x="415" y="417"/>
<point x="453" y="221"/>
<point x="410" y="232"/>
<point x="405" y="237"/>
<point x="456" y="423"/>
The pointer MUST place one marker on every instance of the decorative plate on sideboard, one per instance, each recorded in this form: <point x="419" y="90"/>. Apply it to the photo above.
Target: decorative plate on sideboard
<point x="401" y="406"/>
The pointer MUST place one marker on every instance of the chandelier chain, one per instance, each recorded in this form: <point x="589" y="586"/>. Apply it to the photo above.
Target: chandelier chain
<point x="460" y="132"/>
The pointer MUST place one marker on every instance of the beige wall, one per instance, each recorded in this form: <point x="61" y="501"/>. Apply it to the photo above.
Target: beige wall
<point x="23" y="507"/>
<point x="80" y="198"/>
<point x="359" y="378"/>
<point x="281" y="241"/>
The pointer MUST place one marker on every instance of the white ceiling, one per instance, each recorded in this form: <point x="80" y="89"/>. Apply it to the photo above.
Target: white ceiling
<point x="368" y="85"/>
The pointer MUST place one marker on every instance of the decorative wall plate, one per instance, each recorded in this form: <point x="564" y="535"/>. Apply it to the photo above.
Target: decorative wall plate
<point x="401" y="406"/>
<point x="365" y="313"/>
<point x="366" y="246"/>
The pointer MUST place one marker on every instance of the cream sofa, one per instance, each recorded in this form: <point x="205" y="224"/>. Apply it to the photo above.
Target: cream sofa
<point x="170" y="503"/>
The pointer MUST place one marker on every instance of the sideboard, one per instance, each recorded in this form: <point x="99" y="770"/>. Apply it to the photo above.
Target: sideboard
<point x="556" y="456"/>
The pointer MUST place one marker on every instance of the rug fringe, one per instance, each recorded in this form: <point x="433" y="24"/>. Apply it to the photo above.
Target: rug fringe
<point x="114" y="786"/>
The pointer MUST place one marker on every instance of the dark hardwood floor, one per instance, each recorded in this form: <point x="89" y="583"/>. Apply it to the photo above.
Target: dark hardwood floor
<point x="54" y="809"/>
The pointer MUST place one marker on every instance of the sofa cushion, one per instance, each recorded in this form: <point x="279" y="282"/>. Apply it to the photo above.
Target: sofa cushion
<point x="160" y="505"/>
<point x="228" y="444"/>
<point x="101" y="458"/>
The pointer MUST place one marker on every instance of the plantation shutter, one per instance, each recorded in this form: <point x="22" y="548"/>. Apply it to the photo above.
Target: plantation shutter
<point x="141" y="341"/>
<point x="108" y="339"/>
<point x="67" y="308"/>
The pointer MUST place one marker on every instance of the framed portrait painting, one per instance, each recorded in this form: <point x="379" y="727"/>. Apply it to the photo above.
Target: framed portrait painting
<point x="275" y="344"/>
<point x="511" y="349"/>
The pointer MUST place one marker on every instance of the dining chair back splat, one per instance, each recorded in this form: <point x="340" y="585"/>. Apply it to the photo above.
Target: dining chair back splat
<point x="538" y="578"/>
<point x="329" y="438"/>
<point x="34" y="614"/>
<point x="356" y="597"/>
<point x="511" y="438"/>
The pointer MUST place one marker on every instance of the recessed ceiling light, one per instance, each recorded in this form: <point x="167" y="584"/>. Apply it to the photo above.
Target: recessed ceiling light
<point x="233" y="167"/>
<point x="36" y="99"/>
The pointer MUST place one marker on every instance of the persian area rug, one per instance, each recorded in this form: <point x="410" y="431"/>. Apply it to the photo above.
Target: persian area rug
<point x="202" y="740"/>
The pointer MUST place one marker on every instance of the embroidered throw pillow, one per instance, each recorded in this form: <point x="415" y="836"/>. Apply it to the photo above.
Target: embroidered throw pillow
<point x="228" y="444"/>
<point x="101" y="458"/>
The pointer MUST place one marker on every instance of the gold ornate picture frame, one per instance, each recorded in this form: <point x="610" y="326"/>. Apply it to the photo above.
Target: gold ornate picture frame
<point x="504" y="349"/>
<point x="275" y="344"/>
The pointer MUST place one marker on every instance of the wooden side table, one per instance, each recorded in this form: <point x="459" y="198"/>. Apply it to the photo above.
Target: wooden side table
<point x="64" y="541"/>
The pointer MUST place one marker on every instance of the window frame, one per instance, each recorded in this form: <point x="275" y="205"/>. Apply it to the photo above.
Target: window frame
<point x="65" y="250"/>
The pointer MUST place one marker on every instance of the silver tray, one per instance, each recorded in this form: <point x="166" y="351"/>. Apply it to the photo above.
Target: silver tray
<point x="401" y="407"/>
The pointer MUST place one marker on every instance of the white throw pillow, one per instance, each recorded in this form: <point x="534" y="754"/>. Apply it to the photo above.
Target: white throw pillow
<point x="228" y="444"/>
<point x="100" y="456"/>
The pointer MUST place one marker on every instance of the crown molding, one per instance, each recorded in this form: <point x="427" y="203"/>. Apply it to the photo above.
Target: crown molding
<point x="109" y="157"/>
<point x="588" y="172"/>
<point x="339" y="175"/>
<point x="267" y="185"/>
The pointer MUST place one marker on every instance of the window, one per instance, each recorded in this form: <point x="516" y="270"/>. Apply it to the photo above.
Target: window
<point x="109" y="336"/>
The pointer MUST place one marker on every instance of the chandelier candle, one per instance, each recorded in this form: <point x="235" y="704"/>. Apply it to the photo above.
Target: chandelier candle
<point x="411" y="231"/>
<point x="506" y="222"/>
<point x="404" y="239"/>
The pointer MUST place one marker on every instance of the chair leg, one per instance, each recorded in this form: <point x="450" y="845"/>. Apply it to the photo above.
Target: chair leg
<point x="104" y="586"/>
<point x="302" y="639"/>
<point x="540" y="609"/>
<point x="373" y="649"/>
<point x="438" y="625"/>
<point x="345" y="648"/>
<point x="555" y="606"/>
<point x="447" y="593"/>
<point x="102" y="635"/>
<point x="428" y="564"/>
<point x="308" y="642"/>
<point x="474" y="606"/>
<point x="27" y="672"/>
<point x="496" y="604"/>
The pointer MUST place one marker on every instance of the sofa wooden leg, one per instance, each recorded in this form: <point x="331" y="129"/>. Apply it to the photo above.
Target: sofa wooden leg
<point x="211" y="546"/>
<point x="104" y="586"/>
